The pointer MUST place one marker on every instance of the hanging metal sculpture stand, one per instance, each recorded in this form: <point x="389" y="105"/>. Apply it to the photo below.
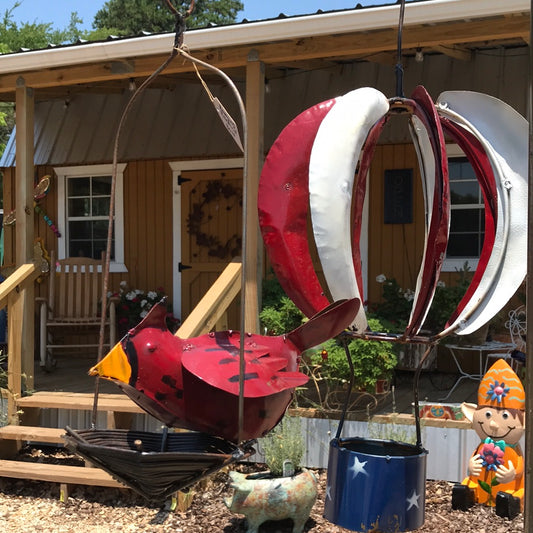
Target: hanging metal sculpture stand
<point x="156" y="465"/>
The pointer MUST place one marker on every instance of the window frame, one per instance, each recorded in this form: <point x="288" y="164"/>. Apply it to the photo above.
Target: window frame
<point x="63" y="174"/>
<point x="451" y="264"/>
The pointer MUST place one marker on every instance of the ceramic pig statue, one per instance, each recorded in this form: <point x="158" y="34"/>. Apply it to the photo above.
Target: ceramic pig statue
<point x="277" y="498"/>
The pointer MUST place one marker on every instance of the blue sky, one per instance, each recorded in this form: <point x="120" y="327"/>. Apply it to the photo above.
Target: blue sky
<point x="58" y="12"/>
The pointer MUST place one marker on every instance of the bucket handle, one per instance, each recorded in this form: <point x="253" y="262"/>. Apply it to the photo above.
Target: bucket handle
<point x="345" y="340"/>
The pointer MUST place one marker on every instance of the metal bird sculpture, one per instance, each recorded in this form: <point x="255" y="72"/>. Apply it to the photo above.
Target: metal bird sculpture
<point x="195" y="383"/>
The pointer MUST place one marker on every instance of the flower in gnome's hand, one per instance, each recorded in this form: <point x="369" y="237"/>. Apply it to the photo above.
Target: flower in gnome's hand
<point x="492" y="456"/>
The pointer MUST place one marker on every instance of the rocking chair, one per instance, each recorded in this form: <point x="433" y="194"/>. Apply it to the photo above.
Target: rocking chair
<point x="73" y="308"/>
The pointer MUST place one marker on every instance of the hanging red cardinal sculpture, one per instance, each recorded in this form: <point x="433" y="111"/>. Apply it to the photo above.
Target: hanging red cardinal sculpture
<point x="194" y="383"/>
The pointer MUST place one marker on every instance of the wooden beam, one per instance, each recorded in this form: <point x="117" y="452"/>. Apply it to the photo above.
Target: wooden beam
<point x="346" y="46"/>
<point x="255" y="110"/>
<point x="14" y="281"/>
<point x="24" y="232"/>
<point x="457" y="52"/>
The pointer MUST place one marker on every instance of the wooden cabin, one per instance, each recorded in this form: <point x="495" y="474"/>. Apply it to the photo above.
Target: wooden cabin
<point x="175" y="227"/>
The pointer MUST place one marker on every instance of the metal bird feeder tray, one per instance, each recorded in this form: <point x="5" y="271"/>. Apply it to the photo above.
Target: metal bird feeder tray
<point x="374" y="484"/>
<point x="155" y="465"/>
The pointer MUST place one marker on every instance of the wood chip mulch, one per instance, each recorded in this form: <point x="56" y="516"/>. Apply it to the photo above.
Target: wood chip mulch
<point x="30" y="506"/>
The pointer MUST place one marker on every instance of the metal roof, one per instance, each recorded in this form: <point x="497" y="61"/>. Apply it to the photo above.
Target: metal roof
<point x="269" y="30"/>
<point x="181" y="123"/>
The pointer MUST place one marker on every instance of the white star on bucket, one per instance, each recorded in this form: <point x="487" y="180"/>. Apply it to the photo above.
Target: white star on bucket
<point x="358" y="467"/>
<point x="413" y="500"/>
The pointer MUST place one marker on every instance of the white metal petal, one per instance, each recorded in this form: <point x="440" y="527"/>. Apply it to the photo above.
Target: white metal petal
<point x="504" y="135"/>
<point x="332" y="166"/>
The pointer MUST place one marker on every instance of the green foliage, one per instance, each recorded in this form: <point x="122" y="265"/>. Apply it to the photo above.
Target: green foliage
<point x="372" y="360"/>
<point x="131" y="17"/>
<point x="133" y="305"/>
<point x="284" y="442"/>
<point x="279" y="314"/>
<point x="396" y="304"/>
<point x="34" y="35"/>
<point x="447" y="298"/>
<point x="282" y="318"/>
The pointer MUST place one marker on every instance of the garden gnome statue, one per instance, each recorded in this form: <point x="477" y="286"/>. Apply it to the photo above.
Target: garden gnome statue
<point x="496" y="469"/>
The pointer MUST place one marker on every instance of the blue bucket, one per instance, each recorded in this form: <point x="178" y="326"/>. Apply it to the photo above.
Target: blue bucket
<point x="375" y="484"/>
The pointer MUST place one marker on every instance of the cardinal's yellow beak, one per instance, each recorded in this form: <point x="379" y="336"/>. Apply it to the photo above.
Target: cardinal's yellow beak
<point x="114" y="365"/>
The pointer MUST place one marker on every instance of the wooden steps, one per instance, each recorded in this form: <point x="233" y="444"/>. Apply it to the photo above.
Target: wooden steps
<point x="70" y="475"/>
<point x="32" y="434"/>
<point x="119" y="408"/>
<point x="79" y="401"/>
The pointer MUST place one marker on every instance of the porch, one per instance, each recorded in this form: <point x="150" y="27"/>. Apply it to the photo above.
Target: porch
<point x="71" y="375"/>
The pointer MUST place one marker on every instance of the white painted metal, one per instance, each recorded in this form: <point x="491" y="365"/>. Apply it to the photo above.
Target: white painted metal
<point x="426" y="161"/>
<point x="504" y="135"/>
<point x="332" y="165"/>
<point x="449" y="448"/>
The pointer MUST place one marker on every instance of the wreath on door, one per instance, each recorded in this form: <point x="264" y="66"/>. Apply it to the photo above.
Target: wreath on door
<point x="215" y="191"/>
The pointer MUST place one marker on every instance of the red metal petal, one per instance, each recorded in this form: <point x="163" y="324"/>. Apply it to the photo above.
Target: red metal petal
<point x="437" y="238"/>
<point x="325" y="325"/>
<point x="359" y="198"/>
<point x="283" y="206"/>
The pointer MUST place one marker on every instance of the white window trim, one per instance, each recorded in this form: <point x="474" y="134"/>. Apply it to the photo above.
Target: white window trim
<point x="63" y="173"/>
<point x="457" y="263"/>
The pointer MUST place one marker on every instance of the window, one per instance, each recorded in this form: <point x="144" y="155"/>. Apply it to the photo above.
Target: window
<point x="84" y="195"/>
<point x="467" y="226"/>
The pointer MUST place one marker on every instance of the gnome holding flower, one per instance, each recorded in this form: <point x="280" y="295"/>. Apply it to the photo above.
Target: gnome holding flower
<point x="496" y="469"/>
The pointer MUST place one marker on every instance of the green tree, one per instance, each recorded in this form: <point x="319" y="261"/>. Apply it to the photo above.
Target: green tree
<point x="131" y="17"/>
<point x="34" y="35"/>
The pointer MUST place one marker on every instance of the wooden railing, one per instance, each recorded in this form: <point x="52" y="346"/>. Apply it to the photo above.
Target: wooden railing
<point x="211" y="309"/>
<point x="13" y="295"/>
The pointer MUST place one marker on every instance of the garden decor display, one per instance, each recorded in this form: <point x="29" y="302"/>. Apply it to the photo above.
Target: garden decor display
<point x="232" y="386"/>
<point x="318" y="166"/>
<point x="320" y="163"/>
<point x="496" y="468"/>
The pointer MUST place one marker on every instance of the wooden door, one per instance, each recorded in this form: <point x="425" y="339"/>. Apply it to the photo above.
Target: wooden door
<point x="211" y="203"/>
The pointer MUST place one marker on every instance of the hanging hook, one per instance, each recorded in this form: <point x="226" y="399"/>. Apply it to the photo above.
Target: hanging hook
<point x="399" y="66"/>
<point x="179" y="26"/>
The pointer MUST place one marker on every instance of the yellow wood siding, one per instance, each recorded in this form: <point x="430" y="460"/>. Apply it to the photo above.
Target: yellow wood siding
<point x="395" y="250"/>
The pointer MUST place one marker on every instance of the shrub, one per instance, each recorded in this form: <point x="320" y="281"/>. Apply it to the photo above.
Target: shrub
<point x="372" y="360"/>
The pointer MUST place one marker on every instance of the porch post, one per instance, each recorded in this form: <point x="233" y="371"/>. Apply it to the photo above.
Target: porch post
<point x="255" y="104"/>
<point x="528" y="495"/>
<point x="21" y="307"/>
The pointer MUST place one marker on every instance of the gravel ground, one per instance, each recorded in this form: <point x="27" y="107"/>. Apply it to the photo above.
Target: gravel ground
<point x="27" y="506"/>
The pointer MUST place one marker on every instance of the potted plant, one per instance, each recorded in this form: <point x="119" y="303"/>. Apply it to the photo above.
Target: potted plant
<point x="284" y="491"/>
<point x="373" y="361"/>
